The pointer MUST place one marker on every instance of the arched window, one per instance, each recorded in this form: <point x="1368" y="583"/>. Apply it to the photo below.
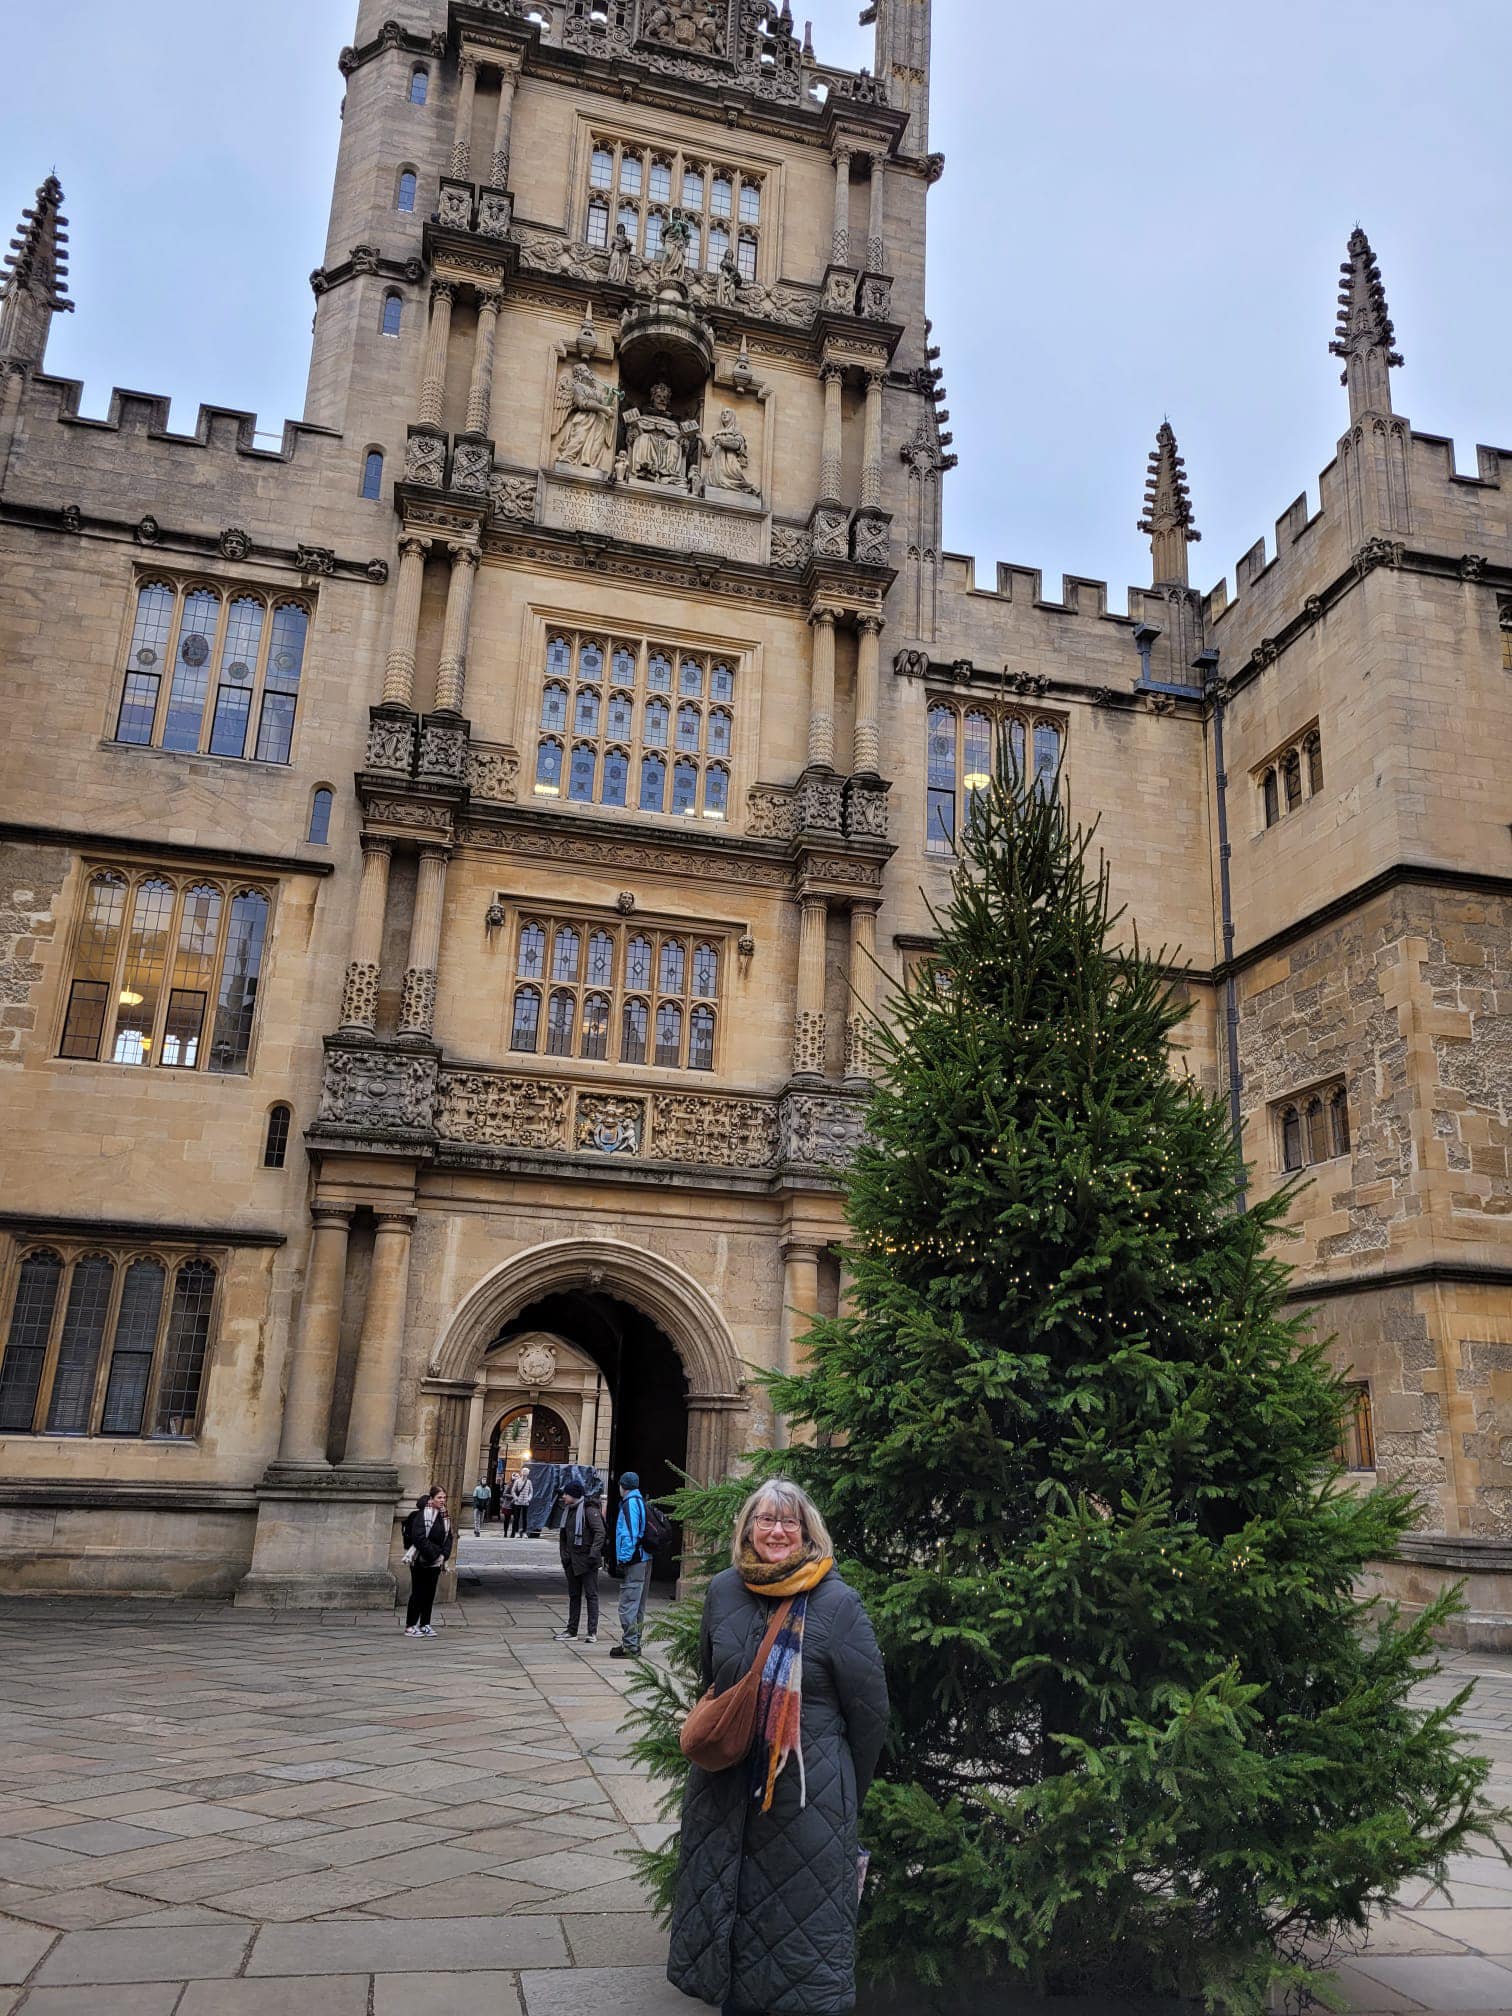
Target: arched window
<point x="561" y="1012"/>
<point x="79" y="1345"/>
<point x="685" y="788"/>
<point x="1047" y="749"/>
<point x="689" y="727"/>
<point x="669" y="1034"/>
<point x="276" y="1140"/>
<point x="701" y="1039"/>
<point x="37" y="1290"/>
<point x="659" y="672"/>
<point x="601" y="168"/>
<point x="404" y="194"/>
<point x="585" y="717"/>
<point x="1271" y="797"/>
<point x="583" y="774"/>
<point x="671" y="974"/>
<point x="653" y="783"/>
<point x="705" y="970"/>
<point x="525" y="1030"/>
<point x="566" y="950"/>
<point x="638" y="963"/>
<point x="633" y="1035"/>
<point x="1291" y="779"/>
<point x="548" y="777"/>
<point x="136" y="1331"/>
<point x="616" y="776"/>
<point x="1313" y="749"/>
<point x="320" y="816"/>
<point x="628" y="221"/>
<point x="94" y="966"/>
<point x="184" y="1350"/>
<point x="600" y="968"/>
<point x="1356" y="1450"/>
<point x="372" y="474"/>
<point x="554" y="705"/>
<point x="591" y="663"/>
<point x="191" y="669"/>
<point x="977" y="759"/>
<point x="393" y="312"/>
<point x="621" y="715"/>
<point x="241" y="970"/>
<point x="658" y="715"/>
<point x="558" y="657"/>
<point x="1338" y="1115"/>
<point x="275" y="728"/>
<point x="1317" y="1131"/>
<point x="598" y="223"/>
<point x="532" y="960"/>
<point x="144" y="662"/>
<point x="745" y="256"/>
<point x="940" y="830"/>
<point x="595" y="1025"/>
<point x="1291" y="1138"/>
<point x="236" y="677"/>
<point x="716" y="792"/>
<point x="419" y="85"/>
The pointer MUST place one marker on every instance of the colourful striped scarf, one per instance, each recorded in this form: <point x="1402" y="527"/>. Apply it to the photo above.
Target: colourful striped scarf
<point x="779" y="1700"/>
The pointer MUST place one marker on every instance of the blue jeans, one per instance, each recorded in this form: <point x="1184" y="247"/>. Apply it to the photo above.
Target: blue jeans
<point x="634" y="1590"/>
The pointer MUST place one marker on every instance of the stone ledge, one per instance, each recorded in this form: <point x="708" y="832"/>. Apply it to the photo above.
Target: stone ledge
<point x="102" y="1494"/>
<point x="368" y="1483"/>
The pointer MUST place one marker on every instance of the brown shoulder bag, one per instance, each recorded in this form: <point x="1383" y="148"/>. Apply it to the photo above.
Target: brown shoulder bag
<point x="720" y="1728"/>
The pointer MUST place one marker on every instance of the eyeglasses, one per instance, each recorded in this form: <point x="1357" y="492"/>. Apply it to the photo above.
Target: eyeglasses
<point x="779" y="1525"/>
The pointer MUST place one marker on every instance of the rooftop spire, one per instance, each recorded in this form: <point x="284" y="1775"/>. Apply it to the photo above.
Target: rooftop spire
<point x="35" y="275"/>
<point x="1364" y="337"/>
<point x="1167" y="516"/>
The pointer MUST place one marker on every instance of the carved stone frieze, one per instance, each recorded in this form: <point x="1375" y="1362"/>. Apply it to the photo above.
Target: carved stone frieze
<point x="720" y="42"/>
<point x="443" y="749"/>
<point x="810" y="1042"/>
<point x="871" y="540"/>
<point x="727" y="1133"/>
<point x="865" y="811"/>
<point x="791" y="546"/>
<point x="407" y="812"/>
<point x="417" y="1001"/>
<point x="544" y="251"/>
<point x="839" y="868"/>
<point x="472" y="465"/>
<point x="541" y="845"/>
<point x="455" y="207"/>
<point x="607" y="1125"/>
<point x="391" y="744"/>
<point x="771" y="815"/>
<point x="359" y="996"/>
<point x="512" y="496"/>
<point x="875" y="299"/>
<point x="496" y="1110"/>
<point x="492" y="773"/>
<point x="425" y="458"/>
<point x="839" y="292"/>
<point x="680" y="524"/>
<point x="378" y="1091"/>
<point x="821" y="802"/>
<point x="829" y="529"/>
<point x="819" y="1129"/>
<point x="537" y="1364"/>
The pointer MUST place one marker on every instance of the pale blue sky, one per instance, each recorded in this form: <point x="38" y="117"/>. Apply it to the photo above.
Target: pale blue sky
<point x="1143" y="212"/>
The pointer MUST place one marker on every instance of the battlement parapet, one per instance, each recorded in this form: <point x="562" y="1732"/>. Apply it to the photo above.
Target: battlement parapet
<point x="225" y="429"/>
<point x="1081" y="595"/>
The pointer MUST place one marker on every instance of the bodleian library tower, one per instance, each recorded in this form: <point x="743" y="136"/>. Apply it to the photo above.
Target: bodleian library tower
<point x="448" y="850"/>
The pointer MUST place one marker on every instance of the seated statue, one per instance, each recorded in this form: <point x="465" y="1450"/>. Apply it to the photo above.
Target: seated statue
<point x="727" y="456"/>
<point x="656" y="442"/>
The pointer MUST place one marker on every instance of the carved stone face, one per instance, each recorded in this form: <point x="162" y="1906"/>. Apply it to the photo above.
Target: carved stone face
<point x="727" y="417"/>
<point x="661" y="397"/>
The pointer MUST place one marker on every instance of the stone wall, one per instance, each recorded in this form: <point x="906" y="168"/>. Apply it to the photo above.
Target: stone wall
<point x="31" y="879"/>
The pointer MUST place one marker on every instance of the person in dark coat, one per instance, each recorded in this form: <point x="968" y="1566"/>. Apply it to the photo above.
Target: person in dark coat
<point x="582" y="1550"/>
<point x="768" y="1886"/>
<point x="428" y="1538"/>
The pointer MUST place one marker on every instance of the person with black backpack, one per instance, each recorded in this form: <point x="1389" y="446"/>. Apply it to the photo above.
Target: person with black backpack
<point x="639" y="1530"/>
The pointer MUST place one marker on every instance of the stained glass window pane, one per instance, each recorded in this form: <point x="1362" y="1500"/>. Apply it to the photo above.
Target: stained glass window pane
<point x="685" y="787"/>
<point x="622" y="666"/>
<point x="527" y="1019"/>
<point x="149" y="634"/>
<point x="616" y="777"/>
<point x="548" y="777"/>
<point x="669" y="1034"/>
<point x="558" y="656"/>
<point x="561" y="1013"/>
<point x="393" y="310"/>
<point x="406" y="196"/>
<point x="690" y="679"/>
<point x="658" y="715"/>
<point x="26" y="1346"/>
<point x="591" y="663"/>
<point x="79" y="1346"/>
<point x="184" y="1351"/>
<point x="191" y="671"/>
<point x="419" y="86"/>
<point x="719" y="733"/>
<point x="716" y="792"/>
<point x="638" y="963"/>
<point x="633" y="1033"/>
<point x="372" y="475"/>
<point x="240" y="971"/>
<point x="600" y="969"/>
<point x="138" y="707"/>
<point x="532" y="951"/>
<point x="672" y="967"/>
<point x="701" y="1040"/>
<point x="581" y="775"/>
<point x="320" y="818"/>
<point x="705" y="970"/>
<point x="653" y="783"/>
<point x="565" y="952"/>
<point x="595" y="1041"/>
<point x="659" y="673"/>
<point x="722" y="683"/>
<point x="554" y="706"/>
<point x="689" y="726"/>
<point x="1017" y="746"/>
<point x="1047" y="745"/>
<point x="131" y="1355"/>
<point x="620" y="711"/>
<point x="585" y="720"/>
<point x="942" y="746"/>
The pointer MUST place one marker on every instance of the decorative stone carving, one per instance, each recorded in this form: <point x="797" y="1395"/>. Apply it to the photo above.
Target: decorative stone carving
<point x="1161" y="703"/>
<point x="911" y="664"/>
<point x="609" y="1126"/>
<point x="359" y="996"/>
<point x="377" y="571"/>
<point x="766" y="58"/>
<point x="875" y="301"/>
<point x="855" y="1046"/>
<point x="810" y="1042"/>
<point x="472" y="464"/>
<point x="1313" y="608"/>
<point x="727" y="285"/>
<point x="364" y="258"/>
<point x="391" y="744"/>
<point x="425" y="458"/>
<point x="625" y="902"/>
<point x="583" y="420"/>
<point x="537" y="1364"/>
<point x="512" y="497"/>
<point x="443" y="749"/>
<point x="1472" y="566"/>
<point x="621" y="252"/>
<point x="495" y="213"/>
<point x="1266" y="652"/>
<point x="695" y="27"/>
<point x="657" y="444"/>
<point x="821" y="799"/>
<point x="791" y="546"/>
<point x="315" y="560"/>
<point x="72" y="518"/>
<point x="1025" y="682"/>
<point x="234" y="543"/>
<point x="727" y="457"/>
<point x="871" y="540"/>
<point x="417" y="1001"/>
<point x="378" y="1091"/>
<point x="454" y="209"/>
<point x="819" y="1129"/>
<point x="771" y="815"/>
<point x="495" y="1110"/>
<point x="829" y="531"/>
<point x="672" y="267"/>
<point x="492" y="774"/>
<point x="671" y="521"/>
<point x="1378" y="553"/>
<point x="148" y="530"/>
<point x="723" y="1133"/>
<point x="778" y="304"/>
<point x="412" y="816"/>
<point x="839" y="292"/>
<point x="865" y="811"/>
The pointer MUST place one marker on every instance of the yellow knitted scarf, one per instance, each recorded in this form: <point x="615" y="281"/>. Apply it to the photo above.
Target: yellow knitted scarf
<point x="794" y="1577"/>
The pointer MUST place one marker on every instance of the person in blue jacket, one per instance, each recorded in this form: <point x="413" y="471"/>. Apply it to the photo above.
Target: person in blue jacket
<point x="632" y="1558"/>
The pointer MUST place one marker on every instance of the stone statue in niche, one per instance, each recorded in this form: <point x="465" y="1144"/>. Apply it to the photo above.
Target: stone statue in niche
<point x="727" y="456"/>
<point x="657" y="442"/>
<point x="583" y="420"/>
<point x="727" y="287"/>
<point x="673" y="269"/>
<point x="619" y="257"/>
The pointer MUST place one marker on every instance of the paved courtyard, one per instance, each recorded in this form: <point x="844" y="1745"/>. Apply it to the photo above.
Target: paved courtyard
<point x="206" y="1812"/>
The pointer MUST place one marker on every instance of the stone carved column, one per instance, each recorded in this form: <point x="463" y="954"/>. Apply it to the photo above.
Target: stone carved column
<point x="708" y="1438"/>
<point x="433" y="372"/>
<point x="809" y="1039"/>
<point x="312" y="1368"/>
<point x="375" y="1392"/>
<point x="800" y="1305"/>
<point x="476" y="1465"/>
<point x="480" y="392"/>
<point x="451" y="675"/>
<point x="871" y="444"/>
<point x="417" y="1007"/>
<point x="863" y="987"/>
<point x="821" y="735"/>
<point x="509" y="77"/>
<point x="876" y="250"/>
<point x="840" y="245"/>
<point x="467" y="84"/>
<point x="399" y="673"/>
<point x="829" y="448"/>
<point x="866" y="742"/>
<point x="359" y="1001"/>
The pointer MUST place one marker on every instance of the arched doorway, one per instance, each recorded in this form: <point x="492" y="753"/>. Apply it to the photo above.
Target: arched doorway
<point x="665" y="1353"/>
<point x="533" y="1433"/>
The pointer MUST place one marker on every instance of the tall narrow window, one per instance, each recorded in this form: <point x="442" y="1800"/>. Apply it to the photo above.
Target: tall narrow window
<point x="237" y="676"/>
<point x="94" y="966"/>
<point x="136" y="1333"/>
<point x="527" y="1019"/>
<point x="1291" y="1138"/>
<point x="241" y="968"/>
<point x="193" y="976"/>
<point x="977" y="767"/>
<point x="940" y="832"/>
<point x="191" y="669"/>
<point x="144" y="662"/>
<point x="393" y="311"/>
<point x="419" y="89"/>
<point x="1271" y="797"/>
<point x="372" y="474"/>
<point x="320" y="817"/>
<point x="1291" y="779"/>
<point x="275" y="732"/>
<point x="404" y="195"/>
<point x="79" y="1345"/>
<point x="1047" y="749"/>
<point x="31" y="1323"/>
<point x="184" y="1349"/>
<point x="1313" y="750"/>
<point x="1356" y="1450"/>
<point x="276" y="1140"/>
<point x="142" y="974"/>
<point x="1313" y="1127"/>
<point x="1338" y="1113"/>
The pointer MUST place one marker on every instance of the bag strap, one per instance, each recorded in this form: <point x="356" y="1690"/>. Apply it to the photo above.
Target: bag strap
<point x="779" y="1618"/>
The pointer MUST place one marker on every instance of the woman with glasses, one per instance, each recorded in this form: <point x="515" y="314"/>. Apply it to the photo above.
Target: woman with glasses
<point x="769" y="1874"/>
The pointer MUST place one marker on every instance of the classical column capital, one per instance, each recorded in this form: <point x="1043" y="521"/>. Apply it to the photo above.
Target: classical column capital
<point x="443" y="290"/>
<point x="805" y="1251"/>
<point x="822" y="615"/>
<point x="870" y="625"/>
<point x="831" y="372"/>
<point x="395" y="1218"/>
<point x="412" y="546"/>
<point x="463" y="552"/>
<point x="467" y="64"/>
<point x="331" y="1214"/>
<point x="876" y="377"/>
<point x="376" y="843"/>
<point x="490" y="300"/>
<point x="841" y="154"/>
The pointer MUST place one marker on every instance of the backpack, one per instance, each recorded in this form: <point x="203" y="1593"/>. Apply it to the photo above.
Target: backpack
<point x="658" y="1529"/>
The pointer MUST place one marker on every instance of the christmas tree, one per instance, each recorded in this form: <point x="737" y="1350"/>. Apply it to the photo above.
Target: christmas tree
<point x="1080" y="1464"/>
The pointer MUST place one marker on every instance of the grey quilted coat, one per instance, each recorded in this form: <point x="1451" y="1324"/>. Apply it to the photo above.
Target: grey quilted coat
<point x="765" y="1915"/>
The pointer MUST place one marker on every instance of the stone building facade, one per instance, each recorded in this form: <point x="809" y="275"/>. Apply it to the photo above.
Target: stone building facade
<point x="452" y="849"/>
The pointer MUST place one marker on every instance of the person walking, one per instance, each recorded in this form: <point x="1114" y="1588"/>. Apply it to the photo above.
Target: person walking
<point x="520" y="1491"/>
<point x="769" y="1868"/>
<point x="428" y="1538"/>
<point x="633" y="1558"/>
<point x="481" y="1497"/>
<point x="582" y="1551"/>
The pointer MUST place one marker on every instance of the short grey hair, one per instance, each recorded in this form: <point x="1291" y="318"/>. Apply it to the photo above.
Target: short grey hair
<point x="778" y="1495"/>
